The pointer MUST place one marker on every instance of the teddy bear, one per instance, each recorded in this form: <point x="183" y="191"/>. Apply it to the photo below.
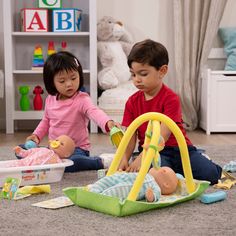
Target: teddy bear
<point x="114" y="45"/>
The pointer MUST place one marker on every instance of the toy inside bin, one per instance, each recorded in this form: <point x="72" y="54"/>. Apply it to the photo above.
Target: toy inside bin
<point x="30" y="175"/>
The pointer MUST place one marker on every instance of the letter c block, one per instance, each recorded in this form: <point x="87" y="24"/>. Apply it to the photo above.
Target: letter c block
<point x="49" y="4"/>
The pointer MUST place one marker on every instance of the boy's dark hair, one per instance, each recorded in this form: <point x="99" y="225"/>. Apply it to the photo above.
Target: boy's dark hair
<point x="149" y="52"/>
<point x="58" y="62"/>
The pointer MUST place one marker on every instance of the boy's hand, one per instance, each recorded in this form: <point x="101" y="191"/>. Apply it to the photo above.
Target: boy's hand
<point x="124" y="164"/>
<point x="149" y="195"/>
<point x="34" y="138"/>
<point x="161" y="144"/>
<point x="135" y="165"/>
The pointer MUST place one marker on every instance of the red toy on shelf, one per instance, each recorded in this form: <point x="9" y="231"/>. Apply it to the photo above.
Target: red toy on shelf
<point x="38" y="101"/>
<point x="63" y="46"/>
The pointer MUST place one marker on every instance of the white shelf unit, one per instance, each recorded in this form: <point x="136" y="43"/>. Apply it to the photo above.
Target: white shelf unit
<point x="218" y="109"/>
<point x="18" y="53"/>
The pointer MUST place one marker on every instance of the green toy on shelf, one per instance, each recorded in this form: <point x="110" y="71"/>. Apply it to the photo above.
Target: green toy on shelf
<point x="24" y="100"/>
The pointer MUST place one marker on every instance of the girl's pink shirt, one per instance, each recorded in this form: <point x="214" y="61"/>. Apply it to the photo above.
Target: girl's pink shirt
<point x="71" y="117"/>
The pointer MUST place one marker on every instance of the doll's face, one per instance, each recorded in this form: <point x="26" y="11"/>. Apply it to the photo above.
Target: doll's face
<point x="166" y="179"/>
<point x="63" y="146"/>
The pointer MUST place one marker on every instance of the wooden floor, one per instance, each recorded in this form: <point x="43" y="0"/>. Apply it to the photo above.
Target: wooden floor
<point x="198" y="137"/>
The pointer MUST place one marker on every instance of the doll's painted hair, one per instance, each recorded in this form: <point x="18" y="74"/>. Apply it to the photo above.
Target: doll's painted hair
<point x="56" y="63"/>
<point x="149" y="52"/>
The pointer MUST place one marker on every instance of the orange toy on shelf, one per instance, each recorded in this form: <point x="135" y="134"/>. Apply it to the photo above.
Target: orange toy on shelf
<point x="51" y="48"/>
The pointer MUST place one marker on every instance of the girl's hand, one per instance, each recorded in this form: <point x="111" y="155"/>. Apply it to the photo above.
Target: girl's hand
<point x="112" y="123"/>
<point x="34" y="138"/>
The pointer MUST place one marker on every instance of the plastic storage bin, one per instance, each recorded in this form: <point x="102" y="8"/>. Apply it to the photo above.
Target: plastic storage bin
<point x="30" y="175"/>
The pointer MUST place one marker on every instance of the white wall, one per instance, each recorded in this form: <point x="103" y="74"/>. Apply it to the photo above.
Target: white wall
<point x="144" y="19"/>
<point x="2" y="102"/>
<point x="229" y="17"/>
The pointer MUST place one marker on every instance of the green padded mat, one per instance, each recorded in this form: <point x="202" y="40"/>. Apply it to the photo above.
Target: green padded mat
<point x="114" y="206"/>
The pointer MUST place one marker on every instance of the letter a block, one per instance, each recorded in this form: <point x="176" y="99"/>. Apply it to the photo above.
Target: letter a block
<point x="49" y="4"/>
<point x="34" y="20"/>
<point x="66" y="20"/>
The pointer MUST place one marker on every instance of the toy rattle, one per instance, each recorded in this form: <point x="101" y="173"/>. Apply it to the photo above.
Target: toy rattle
<point x="213" y="197"/>
<point x="10" y="188"/>
<point x="30" y="144"/>
<point x="116" y="135"/>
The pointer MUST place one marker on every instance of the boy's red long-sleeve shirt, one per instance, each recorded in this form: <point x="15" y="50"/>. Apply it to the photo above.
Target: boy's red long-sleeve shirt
<point x="166" y="102"/>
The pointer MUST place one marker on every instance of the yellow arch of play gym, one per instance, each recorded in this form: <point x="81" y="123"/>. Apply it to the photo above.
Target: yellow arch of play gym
<point x="152" y="152"/>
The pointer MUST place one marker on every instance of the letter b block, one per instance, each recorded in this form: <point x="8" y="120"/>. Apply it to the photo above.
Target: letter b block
<point x="66" y="20"/>
<point x="34" y="20"/>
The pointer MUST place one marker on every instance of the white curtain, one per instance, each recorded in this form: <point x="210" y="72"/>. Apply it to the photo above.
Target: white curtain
<point x="196" y="23"/>
<point x="1" y="84"/>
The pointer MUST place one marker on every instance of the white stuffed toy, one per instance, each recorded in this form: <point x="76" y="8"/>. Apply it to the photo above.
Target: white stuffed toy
<point x="114" y="45"/>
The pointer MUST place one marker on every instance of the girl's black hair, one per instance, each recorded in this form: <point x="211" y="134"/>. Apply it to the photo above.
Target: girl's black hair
<point x="149" y="52"/>
<point x="58" y="62"/>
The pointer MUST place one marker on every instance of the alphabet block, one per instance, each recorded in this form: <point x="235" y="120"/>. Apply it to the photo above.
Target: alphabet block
<point x="34" y="20"/>
<point x="66" y="20"/>
<point x="49" y="4"/>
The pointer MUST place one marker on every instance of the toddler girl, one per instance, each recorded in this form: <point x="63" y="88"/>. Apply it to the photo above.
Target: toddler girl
<point x="68" y="111"/>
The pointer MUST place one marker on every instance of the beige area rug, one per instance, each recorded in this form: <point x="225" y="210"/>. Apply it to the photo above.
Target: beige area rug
<point x="189" y="218"/>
